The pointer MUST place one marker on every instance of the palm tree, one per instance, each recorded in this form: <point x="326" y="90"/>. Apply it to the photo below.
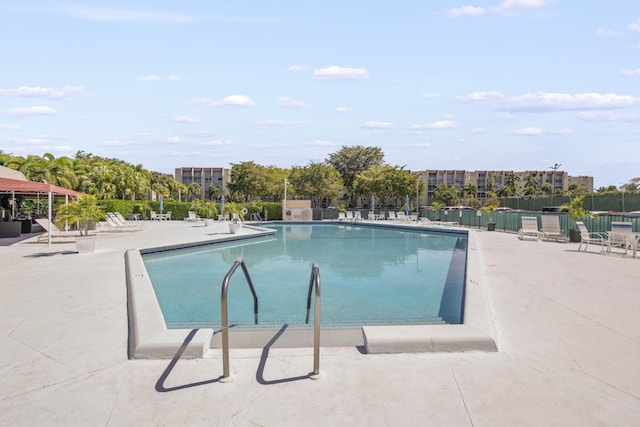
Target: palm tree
<point x="214" y="192"/>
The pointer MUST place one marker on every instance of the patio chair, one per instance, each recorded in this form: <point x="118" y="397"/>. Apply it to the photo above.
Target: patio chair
<point x="551" y="228"/>
<point x="154" y="216"/>
<point x="529" y="228"/>
<point x="192" y="216"/>
<point x="587" y="237"/>
<point x="621" y="235"/>
<point x="55" y="231"/>
<point x="342" y="216"/>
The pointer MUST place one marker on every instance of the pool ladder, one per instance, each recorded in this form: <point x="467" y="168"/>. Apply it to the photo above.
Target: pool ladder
<point x="314" y="281"/>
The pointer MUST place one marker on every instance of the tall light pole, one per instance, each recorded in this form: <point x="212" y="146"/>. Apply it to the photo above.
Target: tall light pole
<point x="417" y="193"/>
<point x="285" y="195"/>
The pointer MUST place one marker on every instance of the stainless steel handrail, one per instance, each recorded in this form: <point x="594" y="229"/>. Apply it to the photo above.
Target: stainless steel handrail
<point x="315" y="280"/>
<point x="224" y="314"/>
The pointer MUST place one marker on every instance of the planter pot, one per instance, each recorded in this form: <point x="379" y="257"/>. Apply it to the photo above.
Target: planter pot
<point x="491" y="226"/>
<point x="86" y="244"/>
<point x="234" y="227"/>
<point x="574" y="236"/>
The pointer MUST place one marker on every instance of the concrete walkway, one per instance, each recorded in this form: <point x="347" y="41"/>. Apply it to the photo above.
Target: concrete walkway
<point x="566" y="326"/>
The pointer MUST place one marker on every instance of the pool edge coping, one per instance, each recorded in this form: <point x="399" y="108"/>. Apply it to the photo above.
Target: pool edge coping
<point x="149" y="337"/>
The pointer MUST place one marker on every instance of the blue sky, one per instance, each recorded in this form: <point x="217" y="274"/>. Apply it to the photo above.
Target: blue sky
<point x="513" y="85"/>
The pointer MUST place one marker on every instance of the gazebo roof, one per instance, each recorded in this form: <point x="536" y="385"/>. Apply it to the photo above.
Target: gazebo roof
<point x="24" y="187"/>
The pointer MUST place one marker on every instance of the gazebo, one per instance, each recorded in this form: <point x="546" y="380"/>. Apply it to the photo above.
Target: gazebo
<point x="14" y="182"/>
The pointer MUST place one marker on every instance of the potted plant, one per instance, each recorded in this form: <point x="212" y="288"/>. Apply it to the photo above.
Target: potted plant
<point x="576" y="211"/>
<point x="489" y="208"/>
<point x="82" y="211"/>
<point x="237" y="216"/>
<point x="437" y="206"/>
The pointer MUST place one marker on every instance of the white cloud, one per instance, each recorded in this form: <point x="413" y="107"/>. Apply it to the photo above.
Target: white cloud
<point x="285" y="101"/>
<point x="603" y="32"/>
<point x="430" y="95"/>
<point x="275" y="123"/>
<point x="636" y="46"/>
<point x="377" y="125"/>
<point x="531" y="131"/>
<point x="43" y="92"/>
<point x="441" y="124"/>
<point x="155" y="78"/>
<point x="635" y="25"/>
<point x="173" y="140"/>
<point x="149" y="78"/>
<point x="190" y="120"/>
<point x="322" y="143"/>
<point x="465" y="11"/>
<point x="216" y="142"/>
<point x="30" y="111"/>
<point x="511" y="6"/>
<point x="606" y="116"/>
<point x="203" y="133"/>
<point x="631" y="73"/>
<point x="413" y="145"/>
<point x="477" y="130"/>
<point x="228" y="101"/>
<point x="335" y="72"/>
<point x="116" y="143"/>
<point x="9" y="127"/>
<point x="297" y="68"/>
<point x="343" y="109"/>
<point x="544" y="101"/>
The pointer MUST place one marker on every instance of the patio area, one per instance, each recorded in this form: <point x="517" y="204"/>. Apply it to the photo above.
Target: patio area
<point x="566" y="325"/>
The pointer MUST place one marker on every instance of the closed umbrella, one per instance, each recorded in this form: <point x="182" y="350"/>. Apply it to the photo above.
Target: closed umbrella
<point x="161" y="204"/>
<point x="222" y="205"/>
<point x="373" y="203"/>
<point x="406" y="205"/>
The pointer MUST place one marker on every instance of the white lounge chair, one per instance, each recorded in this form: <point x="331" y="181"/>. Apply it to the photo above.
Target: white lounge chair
<point x="192" y="216"/>
<point x="55" y="231"/>
<point x="342" y="216"/>
<point x="622" y="235"/>
<point x="529" y="228"/>
<point x="551" y="228"/>
<point x="587" y="237"/>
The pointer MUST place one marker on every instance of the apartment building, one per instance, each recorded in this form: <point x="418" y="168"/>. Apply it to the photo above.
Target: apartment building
<point x="558" y="180"/>
<point x="204" y="177"/>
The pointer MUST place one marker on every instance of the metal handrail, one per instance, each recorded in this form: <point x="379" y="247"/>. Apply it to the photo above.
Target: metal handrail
<point x="223" y="310"/>
<point x="315" y="280"/>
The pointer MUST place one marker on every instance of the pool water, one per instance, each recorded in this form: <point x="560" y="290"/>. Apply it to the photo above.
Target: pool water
<point x="369" y="276"/>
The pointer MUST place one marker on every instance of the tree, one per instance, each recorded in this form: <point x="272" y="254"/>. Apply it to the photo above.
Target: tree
<point x="350" y="161"/>
<point x="318" y="181"/>
<point x="445" y="194"/>
<point x="214" y="192"/>
<point x="248" y="181"/>
<point x="193" y="191"/>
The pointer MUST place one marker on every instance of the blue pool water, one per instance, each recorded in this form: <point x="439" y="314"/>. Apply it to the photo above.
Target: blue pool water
<point x="369" y="276"/>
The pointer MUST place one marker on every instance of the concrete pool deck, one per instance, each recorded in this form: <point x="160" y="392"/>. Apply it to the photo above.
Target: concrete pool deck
<point x="566" y="328"/>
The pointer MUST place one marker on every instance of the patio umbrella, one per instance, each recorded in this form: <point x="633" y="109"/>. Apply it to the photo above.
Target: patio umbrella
<point x="161" y="204"/>
<point x="222" y="205"/>
<point x="406" y="205"/>
<point x="373" y="203"/>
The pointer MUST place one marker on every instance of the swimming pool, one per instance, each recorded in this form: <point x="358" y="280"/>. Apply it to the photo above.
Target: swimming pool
<point x="370" y="276"/>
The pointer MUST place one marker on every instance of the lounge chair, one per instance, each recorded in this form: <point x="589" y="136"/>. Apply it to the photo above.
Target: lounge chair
<point x="401" y="216"/>
<point x="192" y="216"/>
<point x="342" y="216"/>
<point x="529" y="228"/>
<point x="154" y="216"/>
<point x="115" y="222"/>
<point x="55" y="231"/>
<point x="587" y="237"/>
<point x="622" y="235"/>
<point x="551" y="228"/>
